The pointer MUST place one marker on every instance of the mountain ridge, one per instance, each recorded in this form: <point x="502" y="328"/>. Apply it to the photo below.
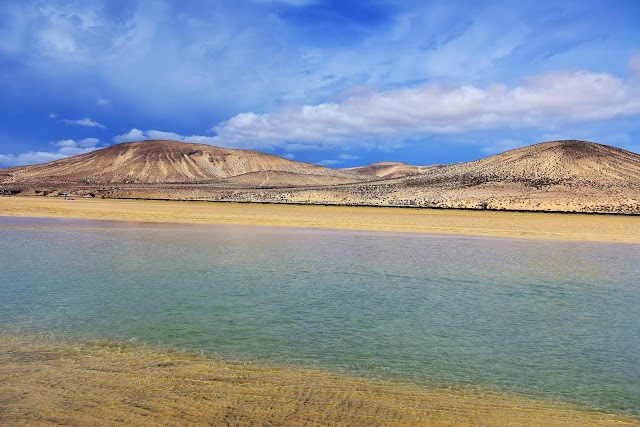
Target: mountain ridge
<point x="565" y="175"/>
<point x="162" y="162"/>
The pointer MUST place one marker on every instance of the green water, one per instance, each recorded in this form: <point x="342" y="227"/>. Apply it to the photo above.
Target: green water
<point x="554" y="319"/>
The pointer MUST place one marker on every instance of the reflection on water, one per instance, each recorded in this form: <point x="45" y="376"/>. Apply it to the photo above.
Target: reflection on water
<point x="553" y="319"/>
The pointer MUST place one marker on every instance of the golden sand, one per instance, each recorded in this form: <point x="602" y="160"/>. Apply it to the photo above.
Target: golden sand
<point x="45" y="383"/>
<point x="579" y="227"/>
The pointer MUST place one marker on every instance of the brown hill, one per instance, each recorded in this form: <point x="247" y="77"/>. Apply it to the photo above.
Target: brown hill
<point x="567" y="162"/>
<point x="568" y="176"/>
<point x="164" y="162"/>
<point x="390" y="169"/>
<point x="564" y="175"/>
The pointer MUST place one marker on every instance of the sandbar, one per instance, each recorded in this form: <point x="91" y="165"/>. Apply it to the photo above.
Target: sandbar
<point x="47" y="382"/>
<point x="531" y="225"/>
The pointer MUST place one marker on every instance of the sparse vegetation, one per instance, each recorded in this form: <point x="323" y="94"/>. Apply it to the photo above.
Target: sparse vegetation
<point x="555" y="176"/>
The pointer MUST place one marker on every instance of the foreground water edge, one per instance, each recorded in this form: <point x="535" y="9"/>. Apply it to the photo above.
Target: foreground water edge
<point x="47" y="381"/>
<point x="548" y="319"/>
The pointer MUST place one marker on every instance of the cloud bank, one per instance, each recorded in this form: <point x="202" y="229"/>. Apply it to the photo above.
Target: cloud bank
<point x="542" y="101"/>
<point x="66" y="148"/>
<point x="386" y="120"/>
<point x="135" y="135"/>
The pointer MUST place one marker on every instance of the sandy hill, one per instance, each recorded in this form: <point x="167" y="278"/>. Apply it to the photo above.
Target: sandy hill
<point x="567" y="162"/>
<point x="564" y="175"/>
<point x="568" y="176"/>
<point x="163" y="162"/>
<point x="390" y="169"/>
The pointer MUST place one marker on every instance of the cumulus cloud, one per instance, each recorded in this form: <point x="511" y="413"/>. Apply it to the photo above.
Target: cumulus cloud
<point x="138" y="135"/>
<point x="390" y="119"/>
<point x="86" y="122"/>
<point x="133" y="135"/>
<point x="65" y="148"/>
<point x="540" y="101"/>
<point x="29" y="158"/>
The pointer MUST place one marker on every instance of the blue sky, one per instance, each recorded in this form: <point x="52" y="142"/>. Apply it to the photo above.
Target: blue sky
<point x="341" y="83"/>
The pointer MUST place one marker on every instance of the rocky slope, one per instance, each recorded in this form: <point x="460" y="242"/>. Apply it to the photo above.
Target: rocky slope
<point x="567" y="176"/>
<point x="389" y="170"/>
<point x="163" y="162"/>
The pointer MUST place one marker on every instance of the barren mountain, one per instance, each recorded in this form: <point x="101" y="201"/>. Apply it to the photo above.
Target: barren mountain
<point x="390" y="169"/>
<point x="568" y="176"/>
<point x="163" y="162"/>
<point x="567" y="162"/>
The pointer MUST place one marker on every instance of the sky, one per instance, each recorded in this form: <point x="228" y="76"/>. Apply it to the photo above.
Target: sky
<point x="337" y="82"/>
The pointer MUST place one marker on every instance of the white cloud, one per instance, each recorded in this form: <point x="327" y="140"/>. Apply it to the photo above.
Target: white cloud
<point x="138" y="135"/>
<point x="88" y="142"/>
<point x="86" y="122"/>
<point x="28" y="158"/>
<point x="131" y="136"/>
<point x="66" y="148"/>
<point x="102" y="101"/>
<point x="161" y="135"/>
<point x="347" y="157"/>
<point x="541" y="101"/>
<point x="65" y="143"/>
<point x="70" y="147"/>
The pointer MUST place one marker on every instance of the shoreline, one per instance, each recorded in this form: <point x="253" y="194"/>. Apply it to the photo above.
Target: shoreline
<point x="49" y="381"/>
<point x="527" y="225"/>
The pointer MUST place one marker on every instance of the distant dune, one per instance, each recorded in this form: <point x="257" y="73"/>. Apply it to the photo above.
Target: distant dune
<point x="565" y="176"/>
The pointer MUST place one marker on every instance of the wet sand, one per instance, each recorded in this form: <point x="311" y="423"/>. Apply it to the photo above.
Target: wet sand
<point x="52" y="383"/>
<point x="577" y="227"/>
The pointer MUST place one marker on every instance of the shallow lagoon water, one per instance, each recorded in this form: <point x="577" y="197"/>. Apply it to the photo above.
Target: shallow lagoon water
<point x="546" y="318"/>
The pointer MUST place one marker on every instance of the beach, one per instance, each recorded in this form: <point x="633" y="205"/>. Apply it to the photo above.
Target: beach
<point x="572" y="227"/>
<point x="47" y="379"/>
<point x="46" y="382"/>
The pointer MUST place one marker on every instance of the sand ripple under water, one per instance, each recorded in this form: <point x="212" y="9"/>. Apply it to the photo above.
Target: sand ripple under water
<point x="47" y="382"/>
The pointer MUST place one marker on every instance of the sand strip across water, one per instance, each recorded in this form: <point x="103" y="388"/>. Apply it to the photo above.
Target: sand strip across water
<point x="577" y="227"/>
<point x="43" y="382"/>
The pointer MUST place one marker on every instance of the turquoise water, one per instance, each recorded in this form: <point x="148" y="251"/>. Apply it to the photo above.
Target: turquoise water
<point x="554" y="319"/>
